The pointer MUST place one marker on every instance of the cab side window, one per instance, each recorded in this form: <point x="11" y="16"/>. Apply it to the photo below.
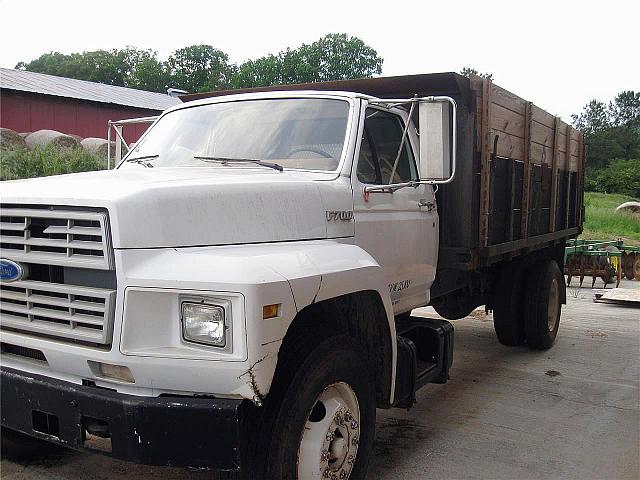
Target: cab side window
<point x="379" y="148"/>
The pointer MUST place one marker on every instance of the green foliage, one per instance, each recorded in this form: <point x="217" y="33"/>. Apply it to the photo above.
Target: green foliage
<point x="148" y="73"/>
<point x="620" y="176"/>
<point x="468" y="71"/>
<point x="603" y="223"/>
<point x="122" y="67"/>
<point x="45" y="161"/>
<point x="612" y="131"/>
<point x="200" y="68"/>
<point x="333" y="57"/>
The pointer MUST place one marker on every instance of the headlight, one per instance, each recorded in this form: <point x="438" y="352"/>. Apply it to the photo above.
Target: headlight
<point x="202" y="323"/>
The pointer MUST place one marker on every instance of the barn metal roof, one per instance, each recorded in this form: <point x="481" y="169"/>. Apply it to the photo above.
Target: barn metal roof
<point x="24" y="81"/>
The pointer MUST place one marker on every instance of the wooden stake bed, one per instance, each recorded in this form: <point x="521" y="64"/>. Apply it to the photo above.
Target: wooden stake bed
<point x="549" y="153"/>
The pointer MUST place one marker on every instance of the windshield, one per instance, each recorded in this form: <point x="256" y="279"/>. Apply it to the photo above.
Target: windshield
<point x="306" y="133"/>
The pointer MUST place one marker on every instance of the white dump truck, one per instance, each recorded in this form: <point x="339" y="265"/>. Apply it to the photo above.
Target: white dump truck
<point x="237" y="293"/>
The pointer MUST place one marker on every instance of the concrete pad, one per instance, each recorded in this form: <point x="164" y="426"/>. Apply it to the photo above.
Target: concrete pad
<point x="507" y="413"/>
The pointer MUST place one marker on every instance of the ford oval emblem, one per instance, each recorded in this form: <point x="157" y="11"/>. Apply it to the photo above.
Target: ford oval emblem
<point x="10" y="271"/>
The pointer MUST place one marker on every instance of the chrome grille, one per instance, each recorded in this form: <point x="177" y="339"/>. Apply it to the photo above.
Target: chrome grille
<point x="67" y="311"/>
<point x="61" y="240"/>
<point x="56" y="237"/>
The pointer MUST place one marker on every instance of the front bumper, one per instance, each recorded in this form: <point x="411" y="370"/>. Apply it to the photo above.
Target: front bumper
<point x="177" y="431"/>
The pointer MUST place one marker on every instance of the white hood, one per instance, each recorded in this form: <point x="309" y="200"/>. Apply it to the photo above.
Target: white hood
<point x="189" y="206"/>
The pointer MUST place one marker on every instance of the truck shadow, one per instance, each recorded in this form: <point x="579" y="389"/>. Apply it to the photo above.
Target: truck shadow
<point x="416" y="433"/>
<point x="24" y="450"/>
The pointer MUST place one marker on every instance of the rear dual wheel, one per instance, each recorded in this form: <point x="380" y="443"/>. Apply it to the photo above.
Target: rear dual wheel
<point x="528" y="304"/>
<point x="542" y="305"/>
<point x="508" y="314"/>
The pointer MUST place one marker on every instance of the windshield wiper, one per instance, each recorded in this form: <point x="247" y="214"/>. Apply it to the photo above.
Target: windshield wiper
<point x="225" y="160"/>
<point x="143" y="160"/>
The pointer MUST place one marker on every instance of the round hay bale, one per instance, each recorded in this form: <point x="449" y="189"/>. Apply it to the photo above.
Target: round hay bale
<point x="98" y="146"/>
<point x="42" y="138"/>
<point x="77" y="137"/>
<point x="11" y="139"/>
<point x="630" y="207"/>
<point x="25" y="134"/>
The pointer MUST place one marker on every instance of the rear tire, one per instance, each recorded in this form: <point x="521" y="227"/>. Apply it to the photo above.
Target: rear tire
<point x="330" y="381"/>
<point x="508" y="310"/>
<point x="542" y="304"/>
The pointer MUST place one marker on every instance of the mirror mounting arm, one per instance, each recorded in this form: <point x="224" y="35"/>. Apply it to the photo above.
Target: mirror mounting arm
<point x="394" y="102"/>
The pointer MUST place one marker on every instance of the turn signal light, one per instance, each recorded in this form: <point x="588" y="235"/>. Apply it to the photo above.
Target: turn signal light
<point x="270" y="311"/>
<point x="115" y="372"/>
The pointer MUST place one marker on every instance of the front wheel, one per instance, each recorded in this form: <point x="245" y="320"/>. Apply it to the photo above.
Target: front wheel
<point x="325" y="421"/>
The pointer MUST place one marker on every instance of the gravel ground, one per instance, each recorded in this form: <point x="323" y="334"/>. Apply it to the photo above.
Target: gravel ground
<point x="570" y="412"/>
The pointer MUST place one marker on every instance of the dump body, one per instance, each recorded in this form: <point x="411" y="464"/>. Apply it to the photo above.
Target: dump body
<point x="519" y="176"/>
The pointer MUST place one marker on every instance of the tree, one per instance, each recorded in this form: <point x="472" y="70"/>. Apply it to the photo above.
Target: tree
<point x="612" y="131"/>
<point x="128" y="67"/>
<point x="468" y="71"/>
<point x="624" y="110"/>
<point x="332" y="57"/>
<point x="148" y="73"/>
<point x="594" y="118"/>
<point x="200" y="68"/>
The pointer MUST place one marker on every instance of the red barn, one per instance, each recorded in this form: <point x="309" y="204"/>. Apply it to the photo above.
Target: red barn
<point x="34" y="101"/>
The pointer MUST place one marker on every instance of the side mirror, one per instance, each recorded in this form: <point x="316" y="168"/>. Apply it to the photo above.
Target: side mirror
<point x="437" y="128"/>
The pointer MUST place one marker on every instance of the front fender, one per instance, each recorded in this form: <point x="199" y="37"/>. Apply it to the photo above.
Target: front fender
<point x="323" y="270"/>
<point x="292" y="274"/>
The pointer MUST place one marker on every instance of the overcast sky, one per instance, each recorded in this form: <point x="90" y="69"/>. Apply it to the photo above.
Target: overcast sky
<point x="558" y="54"/>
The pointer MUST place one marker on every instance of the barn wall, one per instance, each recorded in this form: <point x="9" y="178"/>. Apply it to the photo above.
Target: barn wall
<point x="28" y="112"/>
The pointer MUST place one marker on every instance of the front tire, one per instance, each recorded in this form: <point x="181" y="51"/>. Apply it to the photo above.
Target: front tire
<point x="542" y="305"/>
<point x="324" y="423"/>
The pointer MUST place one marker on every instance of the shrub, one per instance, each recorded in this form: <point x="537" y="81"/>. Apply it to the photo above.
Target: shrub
<point x="620" y="176"/>
<point x="45" y="161"/>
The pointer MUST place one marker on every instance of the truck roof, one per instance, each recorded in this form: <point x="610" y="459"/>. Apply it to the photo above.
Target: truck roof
<point x="235" y="95"/>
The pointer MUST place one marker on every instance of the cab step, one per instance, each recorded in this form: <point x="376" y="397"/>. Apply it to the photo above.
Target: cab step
<point x="425" y="355"/>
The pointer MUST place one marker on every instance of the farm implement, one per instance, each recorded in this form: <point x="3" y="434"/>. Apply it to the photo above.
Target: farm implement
<point x="608" y="260"/>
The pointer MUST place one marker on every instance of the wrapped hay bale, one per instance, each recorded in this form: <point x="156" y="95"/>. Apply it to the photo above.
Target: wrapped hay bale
<point x="99" y="147"/>
<point x="11" y="139"/>
<point x="630" y="207"/>
<point x="42" y="138"/>
<point x="25" y="134"/>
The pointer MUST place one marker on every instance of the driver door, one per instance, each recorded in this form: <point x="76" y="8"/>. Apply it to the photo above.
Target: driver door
<point x="398" y="229"/>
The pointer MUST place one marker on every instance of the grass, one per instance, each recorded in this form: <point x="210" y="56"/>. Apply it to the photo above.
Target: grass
<point x="603" y="223"/>
<point x="45" y="161"/>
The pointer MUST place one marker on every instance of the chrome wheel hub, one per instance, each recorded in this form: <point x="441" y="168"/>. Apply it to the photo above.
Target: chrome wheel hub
<point x="329" y="443"/>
